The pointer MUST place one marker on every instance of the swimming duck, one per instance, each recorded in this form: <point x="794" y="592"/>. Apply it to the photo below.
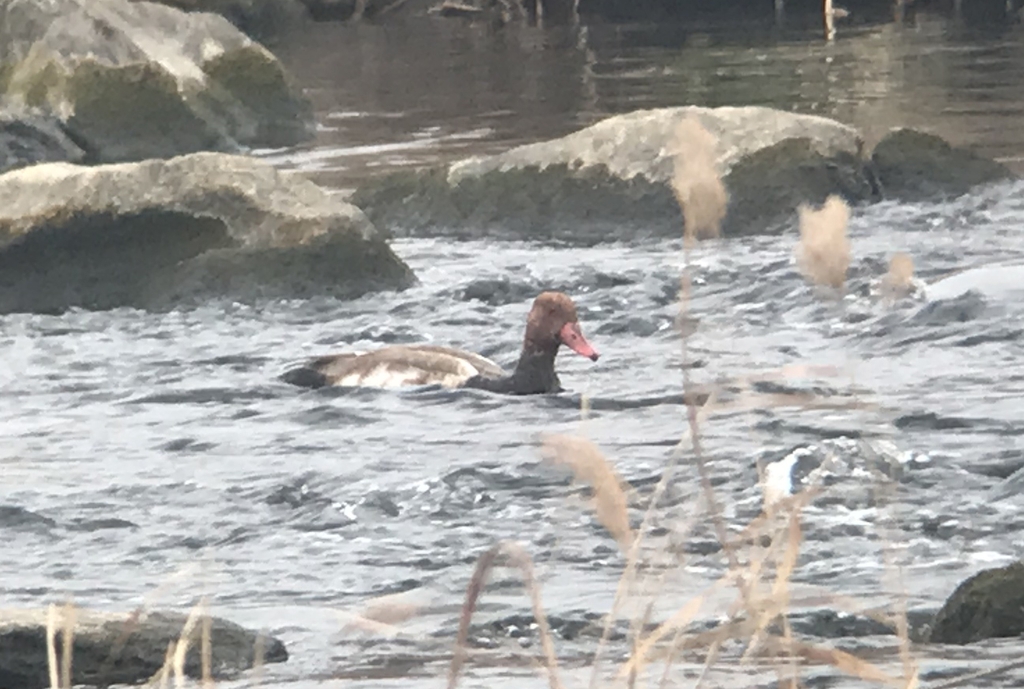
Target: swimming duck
<point x="551" y="323"/>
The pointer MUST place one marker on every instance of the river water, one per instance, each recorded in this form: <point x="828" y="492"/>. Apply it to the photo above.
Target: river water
<point x="153" y="457"/>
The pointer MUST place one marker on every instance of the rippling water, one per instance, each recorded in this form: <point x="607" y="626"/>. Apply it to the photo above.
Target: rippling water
<point x="154" y="456"/>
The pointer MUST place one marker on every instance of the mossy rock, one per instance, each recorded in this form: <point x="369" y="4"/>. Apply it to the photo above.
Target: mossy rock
<point x="135" y="112"/>
<point x="554" y="203"/>
<point x="258" y="82"/>
<point x="988" y="605"/>
<point x="914" y="166"/>
<point x="211" y="88"/>
<point x="766" y="187"/>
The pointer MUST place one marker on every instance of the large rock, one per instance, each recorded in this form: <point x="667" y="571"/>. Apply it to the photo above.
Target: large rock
<point x="613" y="180"/>
<point x="914" y="166"/>
<point x="28" y="138"/>
<point x="988" y="605"/>
<point x="164" y="232"/>
<point x="137" y="80"/>
<point x="121" y="649"/>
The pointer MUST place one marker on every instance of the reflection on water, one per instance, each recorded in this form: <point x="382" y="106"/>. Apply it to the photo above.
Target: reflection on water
<point x="418" y="89"/>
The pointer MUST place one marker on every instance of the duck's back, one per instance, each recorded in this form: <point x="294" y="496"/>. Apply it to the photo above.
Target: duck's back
<point x="393" y="367"/>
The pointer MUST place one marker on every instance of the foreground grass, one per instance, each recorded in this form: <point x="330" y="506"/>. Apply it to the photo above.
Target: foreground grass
<point x="762" y="556"/>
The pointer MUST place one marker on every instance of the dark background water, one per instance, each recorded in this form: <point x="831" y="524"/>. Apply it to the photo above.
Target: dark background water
<point x="154" y="457"/>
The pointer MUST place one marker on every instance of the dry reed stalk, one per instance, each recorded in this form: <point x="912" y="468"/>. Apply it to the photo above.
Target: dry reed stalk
<point x="382" y="615"/>
<point x="164" y="672"/>
<point x="633" y="557"/>
<point x="258" y="654"/>
<point x="184" y="640"/>
<point x="697" y="185"/>
<point x="206" y="645"/>
<point x="823" y="254"/>
<point x="841" y="660"/>
<point x="591" y="467"/>
<point x="132" y="621"/>
<point x="779" y="596"/>
<point x="478" y="582"/>
<point x="51" y="645"/>
<point x="899" y="279"/>
<point x="69" y="618"/>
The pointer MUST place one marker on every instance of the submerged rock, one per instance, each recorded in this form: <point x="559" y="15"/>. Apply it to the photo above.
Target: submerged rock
<point x="137" y="80"/>
<point x="164" y="232"/>
<point x="988" y="605"/>
<point x="613" y="180"/>
<point x="122" y="649"/>
<point x="26" y="139"/>
<point x="913" y="166"/>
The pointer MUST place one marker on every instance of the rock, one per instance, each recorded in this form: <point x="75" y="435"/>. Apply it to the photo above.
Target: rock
<point x="161" y="233"/>
<point x="119" y="649"/>
<point x="137" y="80"/>
<point x="988" y="605"/>
<point x="260" y="19"/>
<point x="997" y="282"/>
<point x="612" y="180"/>
<point x="914" y="166"/>
<point x="772" y="182"/>
<point x="26" y="139"/>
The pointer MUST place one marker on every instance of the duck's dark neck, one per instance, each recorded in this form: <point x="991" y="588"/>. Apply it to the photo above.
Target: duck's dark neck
<point x="534" y="374"/>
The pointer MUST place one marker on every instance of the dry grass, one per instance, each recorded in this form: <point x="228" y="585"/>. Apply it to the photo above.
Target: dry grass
<point x="696" y="182"/>
<point x="521" y="559"/>
<point x="823" y="254"/>
<point x="898" y="281"/>
<point x="590" y="466"/>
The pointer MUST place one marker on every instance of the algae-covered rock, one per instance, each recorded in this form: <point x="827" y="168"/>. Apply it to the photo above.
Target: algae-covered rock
<point x="27" y="138"/>
<point x="913" y="165"/>
<point x="112" y="648"/>
<point x="613" y="180"/>
<point x="988" y="605"/>
<point x="160" y="233"/>
<point x="137" y="80"/>
<point x="773" y="182"/>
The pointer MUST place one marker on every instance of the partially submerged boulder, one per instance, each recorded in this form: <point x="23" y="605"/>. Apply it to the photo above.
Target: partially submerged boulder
<point x="111" y="648"/>
<point x="138" y="80"/>
<point x="988" y="605"/>
<point x="160" y="233"/>
<point x="613" y="179"/>
<point x="913" y="166"/>
<point x="30" y="138"/>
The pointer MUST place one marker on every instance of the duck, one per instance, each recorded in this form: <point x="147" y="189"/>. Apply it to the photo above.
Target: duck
<point x="551" y="323"/>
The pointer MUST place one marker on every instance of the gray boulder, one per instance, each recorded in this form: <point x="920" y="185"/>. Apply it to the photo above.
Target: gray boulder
<point x="914" y="166"/>
<point x="161" y="233"/>
<point x="28" y="138"/>
<point x="122" y="649"/>
<point x="137" y="80"/>
<point x="613" y="179"/>
<point x="988" y="605"/>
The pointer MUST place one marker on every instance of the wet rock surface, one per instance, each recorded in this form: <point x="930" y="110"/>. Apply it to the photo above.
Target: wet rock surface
<point x="137" y="80"/>
<point x="913" y="165"/>
<point x="27" y="138"/>
<point x="612" y="181"/>
<point x="988" y="605"/>
<point x="159" y="233"/>
<point x="124" y="649"/>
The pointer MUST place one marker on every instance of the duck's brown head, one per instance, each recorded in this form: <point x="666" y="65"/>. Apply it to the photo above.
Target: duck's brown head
<point x="553" y="322"/>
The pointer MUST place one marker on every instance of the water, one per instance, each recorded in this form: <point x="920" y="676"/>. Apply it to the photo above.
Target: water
<point x="153" y="457"/>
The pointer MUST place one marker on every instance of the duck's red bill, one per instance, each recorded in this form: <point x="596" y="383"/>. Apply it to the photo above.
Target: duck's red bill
<point x="572" y="337"/>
